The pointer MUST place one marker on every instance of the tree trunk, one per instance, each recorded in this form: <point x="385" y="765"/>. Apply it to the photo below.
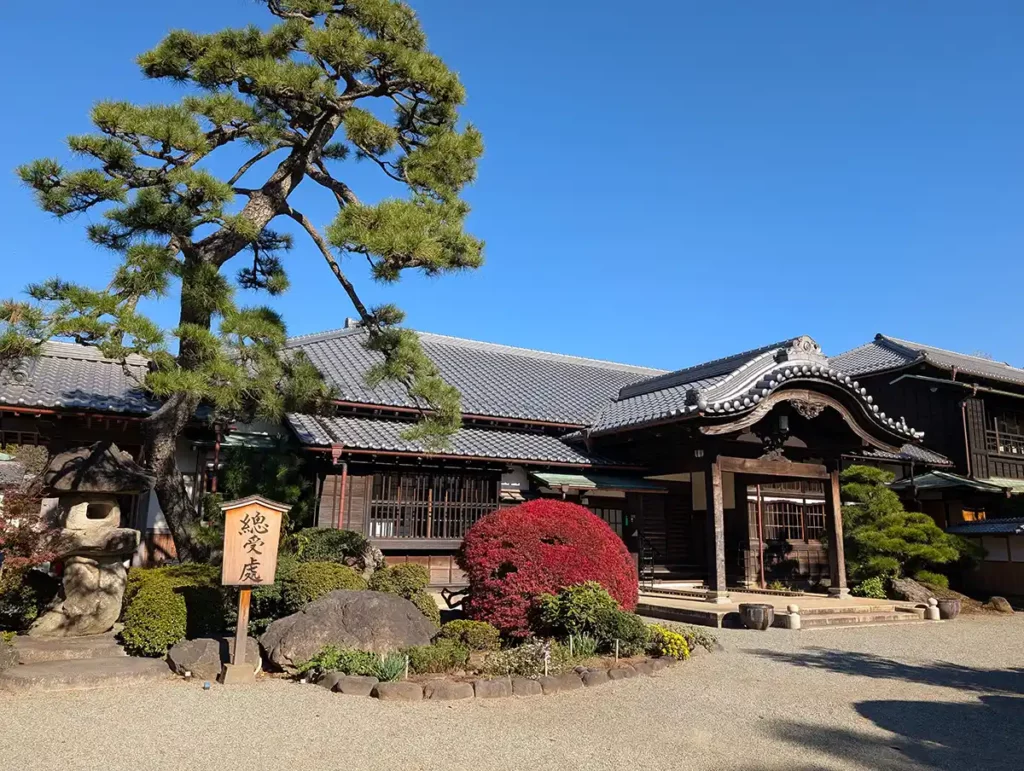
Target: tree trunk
<point x="161" y="432"/>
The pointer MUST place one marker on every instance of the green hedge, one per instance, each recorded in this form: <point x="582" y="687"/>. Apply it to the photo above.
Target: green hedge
<point x="317" y="544"/>
<point x="155" y="615"/>
<point x="442" y="657"/>
<point x="312" y="580"/>
<point x="475" y="635"/>
<point x="410" y="581"/>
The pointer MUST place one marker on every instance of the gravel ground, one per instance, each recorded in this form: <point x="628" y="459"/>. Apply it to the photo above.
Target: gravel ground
<point x="945" y="696"/>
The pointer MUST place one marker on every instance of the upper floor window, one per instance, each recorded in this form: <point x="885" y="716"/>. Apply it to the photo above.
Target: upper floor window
<point x="429" y="505"/>
<point x="1005" y="433"/>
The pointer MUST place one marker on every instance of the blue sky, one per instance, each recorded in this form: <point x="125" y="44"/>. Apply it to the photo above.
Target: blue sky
<point x="664" y="182"/>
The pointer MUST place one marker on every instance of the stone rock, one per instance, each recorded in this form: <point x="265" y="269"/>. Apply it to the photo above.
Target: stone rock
<point x="447" y="690"/>
<point x="524" y="686"/>
<point x="370" y="621"/>
<point x="400" y="691"/>
<point x="90" y="597"/>
<point x="569" y="681"/>
<point x="356" y="685"/>
<point x="595" y="677"/>
<point x="330" y="680"/>
<point x="549" y="685"/>
<point x="660" y="663"/>
<point x="643" y="668"/>
<point x="498" y="688"/>
<point x="205" y="657"/>
<point x="370" y="561"/>
<point x="623" y="672"/>
<point x="909" y="590"/>
<point x="999" y="604"/>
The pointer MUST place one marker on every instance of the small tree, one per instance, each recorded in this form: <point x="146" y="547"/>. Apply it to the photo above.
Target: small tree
<point x="303" y="95"/>
<point x="881" y="538"/>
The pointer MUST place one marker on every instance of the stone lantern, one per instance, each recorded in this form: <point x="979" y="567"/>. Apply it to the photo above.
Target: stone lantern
<point x="89" y="539"/>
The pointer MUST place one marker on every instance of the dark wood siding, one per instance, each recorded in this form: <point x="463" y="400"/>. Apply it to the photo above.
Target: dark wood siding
<point x="356" y="500"/>
<point x="974" y="413"/>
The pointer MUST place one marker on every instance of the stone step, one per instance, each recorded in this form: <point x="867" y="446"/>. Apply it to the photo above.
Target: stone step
<point x="846" y="609"/>
<point x="856" y="619"/>
<point x="82" y="674"/>
<point x="32" y="650"/>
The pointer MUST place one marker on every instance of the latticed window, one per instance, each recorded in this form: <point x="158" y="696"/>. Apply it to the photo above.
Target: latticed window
<point x="785" y="516"/>
<point x="1005" y="433"/>
<point x="612" y="516"/>
<point x="445" y="506"/>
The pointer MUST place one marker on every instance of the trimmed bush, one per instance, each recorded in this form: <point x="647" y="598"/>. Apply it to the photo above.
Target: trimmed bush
<point x="932" y="579"/>
<point x="312" y="580"/>
<point x="318" y="544"/>
<point x="23" y="595"/>
<point x="155" y="616"/>
<point x="475" y="635"/>
<point x="405" y="578"/>
<point x="410" y="581"/>
<point x="442" y="657"/>
<point x="628" y="628"/>
<point x="515" y="554"/>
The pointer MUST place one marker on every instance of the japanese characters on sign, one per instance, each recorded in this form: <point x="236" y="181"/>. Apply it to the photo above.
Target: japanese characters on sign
<point x="252" y="529"/>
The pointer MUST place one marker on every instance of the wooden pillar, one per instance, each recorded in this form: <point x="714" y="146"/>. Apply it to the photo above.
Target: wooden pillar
<point x="834" y="528"/>
<point x="716" y="533"/>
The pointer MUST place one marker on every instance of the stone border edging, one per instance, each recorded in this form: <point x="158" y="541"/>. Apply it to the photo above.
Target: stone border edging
<point x="444" y="689"/>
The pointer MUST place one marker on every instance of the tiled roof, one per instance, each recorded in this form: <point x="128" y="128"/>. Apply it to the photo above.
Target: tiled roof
<point x="736" y="385"/>
<point x="910" y="452"/>
<point x="886" y="353"/>
<point x="386" y="436"/>
<point x="1008" y="526"/>
<point x="494" y="380"/>
<point x="70" y="376"/>
<point x="944" y="480"/>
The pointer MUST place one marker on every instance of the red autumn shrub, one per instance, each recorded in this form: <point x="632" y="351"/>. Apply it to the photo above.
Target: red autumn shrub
<point x="514" y="554"/>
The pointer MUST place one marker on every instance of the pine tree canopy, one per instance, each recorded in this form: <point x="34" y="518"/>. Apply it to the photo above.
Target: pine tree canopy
<point x="329" y="81"/>
<point x="880" y="537"/>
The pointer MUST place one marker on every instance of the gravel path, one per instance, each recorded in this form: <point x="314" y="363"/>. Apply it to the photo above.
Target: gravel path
<point x="938" y="696"/>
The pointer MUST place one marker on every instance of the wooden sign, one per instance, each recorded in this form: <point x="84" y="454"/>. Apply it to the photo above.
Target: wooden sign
<point x="252" y="530"/>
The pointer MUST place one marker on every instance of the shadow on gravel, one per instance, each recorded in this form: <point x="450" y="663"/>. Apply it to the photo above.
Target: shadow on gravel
<point x="940" y="735"/>
<point x="1010" y="681"/>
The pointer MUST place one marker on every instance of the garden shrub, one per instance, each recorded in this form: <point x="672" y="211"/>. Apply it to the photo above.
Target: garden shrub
<point x="410" y="581"/>
<point x="575" y="609"/>
<point x="155" y="616"/>
<point x="871" y="587"/>
<point x="515" y="554"/>
<point x="932" y="579"/>
<point x="583" y="646"/>
<point x="24" y="593"/>
<point x="443" y="656"/>
<point x="667" y="642"/>
<point x="312" y="580"/>
<point x="331" y="658"/>
<point x="319" y="544"/>
<point x="527" y="659"/>
<point x="628" y="628"/>
<point x="475" y="635"/>
<point x="389" y="668"/>
<point x="695" y="636"/>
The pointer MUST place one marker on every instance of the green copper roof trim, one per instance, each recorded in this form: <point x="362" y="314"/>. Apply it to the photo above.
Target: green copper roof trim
<point x="944" y="480"/>
<point x="596" y="482"/>
<point x="1015" y="486"/>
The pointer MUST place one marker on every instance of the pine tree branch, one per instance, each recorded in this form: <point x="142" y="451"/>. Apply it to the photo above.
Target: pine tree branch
<point x="264" y="153"/>
<point x="364" y="314"/>
<point x="342" y="192"/>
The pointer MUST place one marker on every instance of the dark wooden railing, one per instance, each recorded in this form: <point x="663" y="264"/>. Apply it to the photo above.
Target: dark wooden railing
<point x="1004" y="442"/>
<point x="433" y="506"/>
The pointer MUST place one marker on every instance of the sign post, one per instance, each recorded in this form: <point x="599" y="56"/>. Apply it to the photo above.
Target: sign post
<point x="252" y="531"/>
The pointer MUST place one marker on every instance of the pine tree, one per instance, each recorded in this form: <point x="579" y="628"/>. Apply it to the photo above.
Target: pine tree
<point x="880" y="537"/>
<point x="308" y="93"/>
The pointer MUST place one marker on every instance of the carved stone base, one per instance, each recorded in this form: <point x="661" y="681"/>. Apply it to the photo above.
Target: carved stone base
<point x="839" y="593"/>
<point x="90" y="599"/>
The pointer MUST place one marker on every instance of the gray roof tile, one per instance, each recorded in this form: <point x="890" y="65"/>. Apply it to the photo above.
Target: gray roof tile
<point x="887" y="353"/>
<point x="910" y="452"/>
<point x="386" y="436"/>
<point x="1007" y="526"/>
<point x="70" y="376"/>
<point x="494" y="380"/>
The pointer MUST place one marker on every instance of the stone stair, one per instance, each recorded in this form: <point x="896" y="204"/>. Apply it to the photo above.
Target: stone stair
<point x="867" y="615"/>
<point x="77" y="663"/>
